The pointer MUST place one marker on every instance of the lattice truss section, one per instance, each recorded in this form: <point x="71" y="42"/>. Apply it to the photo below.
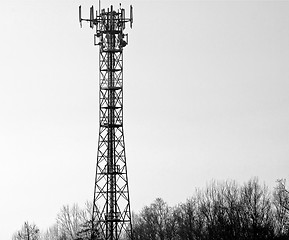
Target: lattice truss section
<point x="111" y="207"/>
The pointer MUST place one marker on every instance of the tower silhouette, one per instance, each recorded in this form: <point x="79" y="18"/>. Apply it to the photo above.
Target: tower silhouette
<point x="111" y="216"/>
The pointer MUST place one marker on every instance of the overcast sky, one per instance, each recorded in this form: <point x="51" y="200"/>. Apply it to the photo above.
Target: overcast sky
<point x="205" y="97"/>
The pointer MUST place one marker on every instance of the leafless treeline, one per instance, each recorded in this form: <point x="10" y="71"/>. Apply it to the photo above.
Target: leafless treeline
<point x="223" y="210"/>
<point x="72" y="223"/>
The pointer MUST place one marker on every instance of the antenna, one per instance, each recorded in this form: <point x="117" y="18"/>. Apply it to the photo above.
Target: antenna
<point x="131" y="16"/>
<point x="123" y="17"/>
<point x="79" y="15"/>
<point x="91" y="17"/>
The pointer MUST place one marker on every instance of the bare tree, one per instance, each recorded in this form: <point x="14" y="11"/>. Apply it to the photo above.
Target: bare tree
<point x="155" y="222"/>
<point x="219" y="220"/>
<point x="54" y="233"/>
<point x="139" y="226"/>
<point x="69" y="221"/>
<point x="27" y="232"/>
<point x="88" y="227"/>
<point x="189" y="221"/>
<point x="72" y="223"/>
<point x="282" y="194"/>
<point x="281" y="204"/>
<point x="257" y="212"/>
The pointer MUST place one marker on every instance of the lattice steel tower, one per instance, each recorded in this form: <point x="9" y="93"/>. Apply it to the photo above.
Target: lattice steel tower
<point x="111" y="218"/>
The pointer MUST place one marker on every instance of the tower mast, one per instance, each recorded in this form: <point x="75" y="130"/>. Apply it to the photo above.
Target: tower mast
<point x="111" y="216"/>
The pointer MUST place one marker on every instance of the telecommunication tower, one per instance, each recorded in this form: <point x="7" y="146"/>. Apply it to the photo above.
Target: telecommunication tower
<point x="111" y="216"/>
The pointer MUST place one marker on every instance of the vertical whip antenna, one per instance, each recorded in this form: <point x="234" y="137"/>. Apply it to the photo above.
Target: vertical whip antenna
<point x="79" y="16"/>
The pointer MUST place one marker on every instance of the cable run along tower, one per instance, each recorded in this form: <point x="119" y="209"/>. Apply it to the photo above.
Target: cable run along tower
<point x="111" y="216"/>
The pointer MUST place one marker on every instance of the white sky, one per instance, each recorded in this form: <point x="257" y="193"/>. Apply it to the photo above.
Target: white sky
<point x="206" y="97"/>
